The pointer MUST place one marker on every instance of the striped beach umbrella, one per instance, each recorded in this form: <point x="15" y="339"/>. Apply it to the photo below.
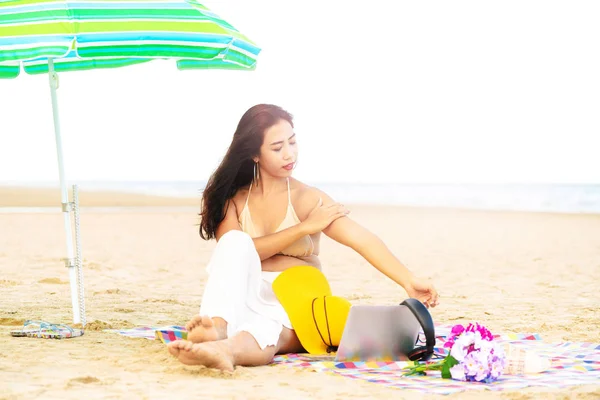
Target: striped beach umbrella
<point x="51" y="36"/>
<point x="88" y="34"/>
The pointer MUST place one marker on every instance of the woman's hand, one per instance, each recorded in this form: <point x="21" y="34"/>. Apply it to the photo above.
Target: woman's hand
<point x="322" y="216"/>
<point x="422" y="290"/>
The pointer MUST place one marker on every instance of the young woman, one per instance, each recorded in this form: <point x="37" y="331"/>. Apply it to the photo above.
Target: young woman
<point x="264" y="222"/>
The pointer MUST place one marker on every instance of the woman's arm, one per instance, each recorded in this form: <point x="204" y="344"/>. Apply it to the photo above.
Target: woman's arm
<point x="371" y="248"/>
<point x="349" y="233"/>
<point x="269" y="245"/>
<point x="266" y="246"/>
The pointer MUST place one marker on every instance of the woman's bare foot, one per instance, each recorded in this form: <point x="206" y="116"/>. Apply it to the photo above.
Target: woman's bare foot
<point x="210" y="354"/>
<point x="202" y="329"/>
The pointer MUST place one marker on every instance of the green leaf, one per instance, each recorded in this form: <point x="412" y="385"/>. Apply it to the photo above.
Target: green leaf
<point x="449" y="362"/>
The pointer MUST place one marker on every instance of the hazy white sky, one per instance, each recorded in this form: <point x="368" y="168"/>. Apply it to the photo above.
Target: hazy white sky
<point x="382" y="91"/>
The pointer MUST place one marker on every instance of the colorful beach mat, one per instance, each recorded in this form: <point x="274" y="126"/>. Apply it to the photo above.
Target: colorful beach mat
<point x="570" y="364"/>
<point x="165" y="334"/>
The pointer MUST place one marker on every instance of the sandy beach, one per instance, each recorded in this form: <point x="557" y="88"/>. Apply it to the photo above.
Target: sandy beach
<point x="512" y="271"/>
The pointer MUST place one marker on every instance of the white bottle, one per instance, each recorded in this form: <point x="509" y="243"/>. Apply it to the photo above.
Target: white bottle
<point x="520" y="361"/>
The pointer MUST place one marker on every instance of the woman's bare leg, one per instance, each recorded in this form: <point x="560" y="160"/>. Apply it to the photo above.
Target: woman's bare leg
<point x="242" y="349"/>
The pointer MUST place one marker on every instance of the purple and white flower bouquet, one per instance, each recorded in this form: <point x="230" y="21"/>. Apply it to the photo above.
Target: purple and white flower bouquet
<point x="474" y="356"/>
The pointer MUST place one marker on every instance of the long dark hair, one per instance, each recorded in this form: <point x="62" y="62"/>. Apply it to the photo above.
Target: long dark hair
<point x="237" y="167"/>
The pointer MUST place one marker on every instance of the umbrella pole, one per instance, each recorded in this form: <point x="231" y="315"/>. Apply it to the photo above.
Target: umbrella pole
<point x="66" y="205"/>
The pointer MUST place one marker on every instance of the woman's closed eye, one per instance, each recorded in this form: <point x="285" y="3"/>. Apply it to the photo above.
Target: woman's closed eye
<point x="279" y="148"/>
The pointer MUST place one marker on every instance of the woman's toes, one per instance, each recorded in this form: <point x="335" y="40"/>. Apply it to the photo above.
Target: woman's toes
<point x="194" y="322"/>
<point x="173" y="348"/>
<point x="207" y="322"/>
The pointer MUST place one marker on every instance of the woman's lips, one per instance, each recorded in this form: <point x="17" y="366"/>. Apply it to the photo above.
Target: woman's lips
<point x="289" y="166"/>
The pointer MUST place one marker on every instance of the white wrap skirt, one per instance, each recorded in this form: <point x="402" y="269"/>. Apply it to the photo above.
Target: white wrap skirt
<point x="241" y="293"/>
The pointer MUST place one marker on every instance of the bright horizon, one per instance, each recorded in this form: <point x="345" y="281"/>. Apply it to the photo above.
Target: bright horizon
<point x="466" y="92"/>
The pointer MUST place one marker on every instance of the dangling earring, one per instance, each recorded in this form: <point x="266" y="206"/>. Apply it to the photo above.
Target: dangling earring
<point x="256" y="174"/>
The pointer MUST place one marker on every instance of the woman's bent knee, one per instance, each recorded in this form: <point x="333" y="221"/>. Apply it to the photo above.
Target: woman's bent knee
<point x="236" y="237"/>
<point x="235" y="250"/>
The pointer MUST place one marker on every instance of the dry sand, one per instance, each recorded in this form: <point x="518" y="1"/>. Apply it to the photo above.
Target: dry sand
<point x="514" y="272"/>
<point x="15" y="196"/>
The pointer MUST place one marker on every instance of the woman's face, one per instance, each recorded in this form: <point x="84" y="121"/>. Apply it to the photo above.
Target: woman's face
<point x="279" y="150"/>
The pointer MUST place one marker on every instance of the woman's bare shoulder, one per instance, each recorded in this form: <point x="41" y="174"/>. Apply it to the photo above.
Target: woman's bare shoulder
<point x="307" y="197"/>
<point x="302" y="191"/>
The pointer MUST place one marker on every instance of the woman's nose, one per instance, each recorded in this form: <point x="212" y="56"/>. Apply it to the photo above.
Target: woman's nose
<point x="287" y="152"/>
